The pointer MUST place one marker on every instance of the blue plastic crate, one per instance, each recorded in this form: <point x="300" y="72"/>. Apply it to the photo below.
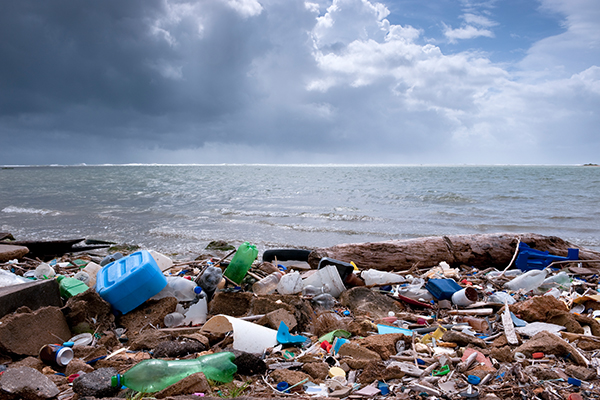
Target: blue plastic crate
<point x="129" y="281"/>
<point x="442" y="289"/>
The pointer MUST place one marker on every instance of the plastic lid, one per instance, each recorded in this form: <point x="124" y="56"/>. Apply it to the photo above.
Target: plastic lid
<point x="474" y="379"/>
<point x="82" y="339"/>
<point x="197" y="290"/>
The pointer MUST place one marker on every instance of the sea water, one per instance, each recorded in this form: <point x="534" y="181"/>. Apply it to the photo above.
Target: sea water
<point x="180" y="209"/>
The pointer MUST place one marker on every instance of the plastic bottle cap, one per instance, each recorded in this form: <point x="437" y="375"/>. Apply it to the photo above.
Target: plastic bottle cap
<point x="537" y="355"/>
<point x="473" y="379"/>
<point x="283" y="386"/>
<point x="197" y="290"/>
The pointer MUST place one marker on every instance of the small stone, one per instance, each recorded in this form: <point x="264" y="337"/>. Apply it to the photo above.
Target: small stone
<point x="76" y="365"/>
<point x="317" y="370"/>
<point x="582" y="373"/>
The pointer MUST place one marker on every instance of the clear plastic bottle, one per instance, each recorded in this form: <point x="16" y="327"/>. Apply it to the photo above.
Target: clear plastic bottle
<point x="528" y="281"/>
<point x="324" y="301"/>
<point x="181" y="288"/>
<point x="267" y="284"/>
<point x="210" y="279"/>
<point x="561" y="281"/>
<point x="310" y="290"/>
<point x="174" y="319"/>
<point x="153" y="375"/>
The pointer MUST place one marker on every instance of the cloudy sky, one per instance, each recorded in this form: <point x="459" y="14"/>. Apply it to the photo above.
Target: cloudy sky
<point x="300" y="81"/>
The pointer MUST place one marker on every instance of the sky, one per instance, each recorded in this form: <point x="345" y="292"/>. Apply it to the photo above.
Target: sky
<point x="295" y="81"/>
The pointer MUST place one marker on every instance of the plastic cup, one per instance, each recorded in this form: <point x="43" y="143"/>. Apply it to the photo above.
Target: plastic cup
<point x="329" y="276"/>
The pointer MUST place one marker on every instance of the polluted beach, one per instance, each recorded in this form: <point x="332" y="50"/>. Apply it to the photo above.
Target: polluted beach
<point x="486" y="316"/>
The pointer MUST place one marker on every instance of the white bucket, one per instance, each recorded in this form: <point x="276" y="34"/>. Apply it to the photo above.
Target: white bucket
<point x="326" y="276"/>
<point x="465" y="297"/>
<point x="290" y="283"/>
<point x="247" y="336"/>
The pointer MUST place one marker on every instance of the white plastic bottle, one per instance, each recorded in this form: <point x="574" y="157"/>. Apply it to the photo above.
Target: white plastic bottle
<point x="267" y="284"/>
<point x="376" y="277"/>
<point x="528" y="281"/>
<point x="290" y="283"/>
<point x="181" y="288"/>
<point x="174" y="319"/>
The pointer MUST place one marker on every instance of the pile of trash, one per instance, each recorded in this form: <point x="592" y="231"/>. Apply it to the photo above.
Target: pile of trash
<point x="139" y="324"/>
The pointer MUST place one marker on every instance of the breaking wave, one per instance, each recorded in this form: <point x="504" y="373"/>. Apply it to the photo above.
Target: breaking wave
<point x="22" y="210"/>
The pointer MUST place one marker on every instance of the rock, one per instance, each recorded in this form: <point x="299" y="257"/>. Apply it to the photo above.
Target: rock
<point x="249" y="364"/>
<point x="377" y="371"/>
<point x="96" y="383"/>
<point x="462" y="339"/>
<point x="549" y="343"/>
<point x="147" y="340"/>
<point x="27" y="383"/>
<point x="582" y="373"/>
<point x="195" y="383"/>
<point x="231" y="303"/>
<point x="503" y="354"/>
<point x="299" y="307"/>
<point x="32" y="362"/>
<point x="274" y="318"/>
<point x="152" y="312"/>
<point x="11" y="252"/>
<point x="384" y="345"/>
<point x="537" y="309"/>
<point x="289" y="376"/>
<point x="364" y="301"/>
<point x="541" y="372"/>
<point x="357" y="352"/>
<point x="26" y="334"/>
<point x="77" y="365"/>
<point x="317" y="370"/>
<point x="89" y="308"/>
<point x="178" y="348"/>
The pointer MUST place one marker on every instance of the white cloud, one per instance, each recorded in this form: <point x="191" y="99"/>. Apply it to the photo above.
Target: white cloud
<point x="465" y="32"/>
<point x="247" y="8"/>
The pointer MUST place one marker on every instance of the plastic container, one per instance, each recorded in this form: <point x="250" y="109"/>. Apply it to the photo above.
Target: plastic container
<point x="92" y="270"/>
<point x="376" y="277"/>
<point x="326" y="276"/>
<point x="210" y="279"/>
<point x="465" y="297"/>
<point x="501" y="298"/>
<point x="149" y="376"/>
<point x="197" y="312"/>
<point x="179" y="287"/>
<point x="267" y="284"/>
<point x="130" y="281"/>
<point x="44" y="271"/>
<point x="344" y="268"/>
<point x="70" y="287"/>
<point x="442" y="289"/>
<point x="241" y="262"/>
<point x="83" y="277"/>
<point x="290" y="283"/>
<point x="174" y="319"/>
<point x="528" y="281"/>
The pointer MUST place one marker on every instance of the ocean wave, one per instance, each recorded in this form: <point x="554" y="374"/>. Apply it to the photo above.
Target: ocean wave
<point x="24" y="210"/>
<point x="331" y="216"/>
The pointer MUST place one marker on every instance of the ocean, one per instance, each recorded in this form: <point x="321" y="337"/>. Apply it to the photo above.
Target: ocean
<point x="179" y="209"/>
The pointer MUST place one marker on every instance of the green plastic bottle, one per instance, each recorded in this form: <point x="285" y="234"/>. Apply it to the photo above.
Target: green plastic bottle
<point x="241" y="262"/>
<point x="150" y="376"/>
<point x="69" y="287"/>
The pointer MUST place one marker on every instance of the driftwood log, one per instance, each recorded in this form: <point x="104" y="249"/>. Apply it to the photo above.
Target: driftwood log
<point x="480" y="251"/>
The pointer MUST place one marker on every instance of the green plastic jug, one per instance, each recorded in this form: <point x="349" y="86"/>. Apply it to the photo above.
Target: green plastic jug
<point x="241" y="262"/>
<point x="69" y="287"/>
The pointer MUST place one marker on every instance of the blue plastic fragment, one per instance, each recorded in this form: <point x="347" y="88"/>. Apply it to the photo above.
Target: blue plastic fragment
<point x="473" y="379"/>
<point x="517" y="321"/>
<point x="284" y="336"/>
<point x="574" y="382"/>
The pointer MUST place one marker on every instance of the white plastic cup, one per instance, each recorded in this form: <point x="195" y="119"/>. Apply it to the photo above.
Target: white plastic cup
<point x="329" y="276"/>
<point x="465" y="297"/>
